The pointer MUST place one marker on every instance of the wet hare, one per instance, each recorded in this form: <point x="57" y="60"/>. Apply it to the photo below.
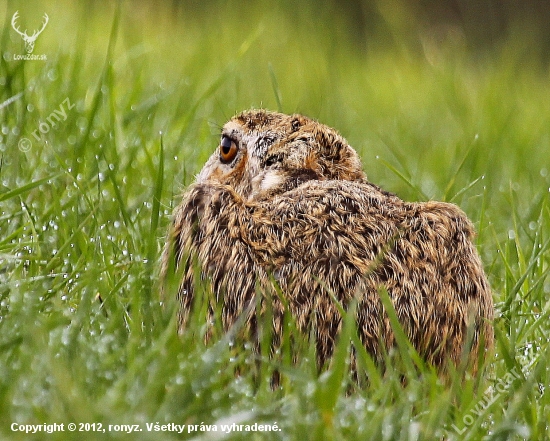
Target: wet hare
<point x="284" y="201"/>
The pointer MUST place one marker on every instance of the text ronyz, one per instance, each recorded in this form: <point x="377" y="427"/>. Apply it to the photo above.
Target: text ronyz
<point x="58" y="115"/>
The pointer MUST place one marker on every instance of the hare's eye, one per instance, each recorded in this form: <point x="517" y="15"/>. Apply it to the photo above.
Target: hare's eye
<point x="228" y="149"/>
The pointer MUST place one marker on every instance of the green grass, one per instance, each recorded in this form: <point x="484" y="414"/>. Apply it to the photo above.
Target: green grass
<point x="84" y="211"/>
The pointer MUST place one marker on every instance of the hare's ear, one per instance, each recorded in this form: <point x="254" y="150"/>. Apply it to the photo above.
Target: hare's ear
<point x="339" y="159"/>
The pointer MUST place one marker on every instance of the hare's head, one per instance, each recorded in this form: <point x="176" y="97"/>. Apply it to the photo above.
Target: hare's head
<point x="263" y="152"/>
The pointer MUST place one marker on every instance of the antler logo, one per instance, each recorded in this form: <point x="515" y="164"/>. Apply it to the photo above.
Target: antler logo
<point x="28" y="39"/>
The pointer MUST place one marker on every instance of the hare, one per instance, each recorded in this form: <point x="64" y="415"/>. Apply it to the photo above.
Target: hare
<point x="284" y="201"/>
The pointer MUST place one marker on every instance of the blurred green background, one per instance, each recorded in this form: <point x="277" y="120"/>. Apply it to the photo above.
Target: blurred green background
<point x="443" y="100"/>
<point x="447" y="74"/>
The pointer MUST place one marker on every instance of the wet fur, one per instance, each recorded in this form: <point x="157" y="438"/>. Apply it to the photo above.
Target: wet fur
<point x="317" y="224"/>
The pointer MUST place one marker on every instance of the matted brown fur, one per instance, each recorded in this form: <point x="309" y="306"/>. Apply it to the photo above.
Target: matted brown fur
<point x="294" y="206"/>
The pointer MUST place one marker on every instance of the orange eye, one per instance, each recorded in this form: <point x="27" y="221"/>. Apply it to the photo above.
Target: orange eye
<point x="228" y="149"/>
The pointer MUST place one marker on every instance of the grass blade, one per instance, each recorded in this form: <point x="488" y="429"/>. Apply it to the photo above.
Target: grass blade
<point x="27" y="187"/>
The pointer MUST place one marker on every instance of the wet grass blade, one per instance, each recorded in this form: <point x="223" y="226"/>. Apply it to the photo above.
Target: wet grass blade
<point x="28" y="187"/>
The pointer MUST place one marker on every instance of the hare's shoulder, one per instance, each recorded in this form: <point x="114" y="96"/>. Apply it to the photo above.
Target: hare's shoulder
<point x="334" y="197"/>
<point x="353" y="207"/>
